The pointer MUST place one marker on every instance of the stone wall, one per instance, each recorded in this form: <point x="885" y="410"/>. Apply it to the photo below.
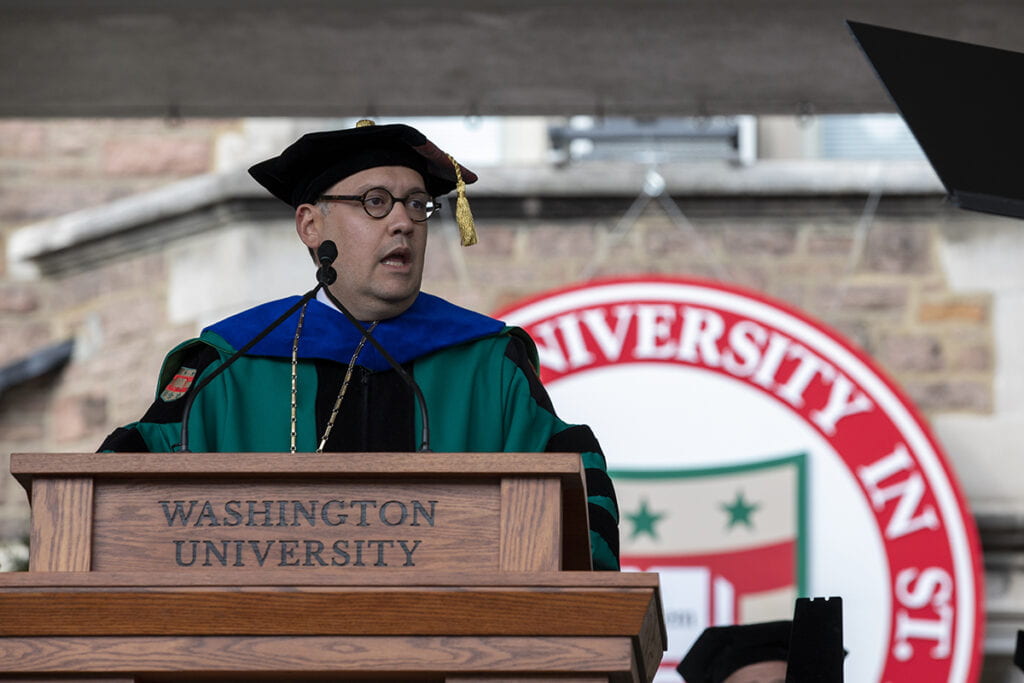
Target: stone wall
<point x="53" y="167"/>
<point x="50" y="168"/>
<point x="882" y="284"/>
<point x="890" y="277"/>
<point x="878" y="282"/>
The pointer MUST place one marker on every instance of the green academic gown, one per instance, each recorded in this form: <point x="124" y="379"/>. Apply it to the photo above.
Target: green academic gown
<point x="478" y="378"/>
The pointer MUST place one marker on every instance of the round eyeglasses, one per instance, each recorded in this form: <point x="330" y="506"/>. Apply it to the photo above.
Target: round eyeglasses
<point x="378" y="202"/>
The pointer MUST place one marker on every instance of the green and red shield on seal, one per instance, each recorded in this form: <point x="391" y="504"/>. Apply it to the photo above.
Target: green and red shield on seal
<point x="743" y="561"/>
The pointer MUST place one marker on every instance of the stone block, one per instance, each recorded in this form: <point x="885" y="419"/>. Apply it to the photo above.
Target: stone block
<point x="561" y="241"/>
<point x="747" y="275"/>
<point x="673" y="240"/>
<point x="439" y="264"/>
<point x="25" y="415"/>
<point x="23" y="434"/>
<point x="22" y="138"/>
<point x="498" y="239"/>
<point x="955" y="310"/>
<point x="14" y="531"/>
<point x="65" y="195"/>
<point x="889" y="299"/>
<point x="18" y="298"/>
<point x="911" y="353"/>
<point x="950" y="395"/>
<point x="760" y="240"/>
<point x="824" y="241"/>
<point x="791" y="293"/>
<point x="904" y="248"/>
<point x="157" y="156"/>
<point x="80" y="137"/>
<point x="19" y="338"/>
<point x="139" y="272"/>
<point x="22" y="429"/>
<point x="973" y="358"/>
<point x="855" y="331"/>
<point x="71" y="291"/>
<point x="76" y="417"/>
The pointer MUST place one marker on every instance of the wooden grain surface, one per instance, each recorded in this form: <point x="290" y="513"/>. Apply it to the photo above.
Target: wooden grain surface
<point x="26" y="465"/>
<point x="525" y="622"/>
<point x="132" y="532"/>
<point x="456" y="617"/>
<point x="367" y="611"/>
<point x="324" y="654"/>
<point x="61" y="524"/>
<point x="132" y="622"/>
<point x="531" y="524"/>
<point x="302" y="524"/>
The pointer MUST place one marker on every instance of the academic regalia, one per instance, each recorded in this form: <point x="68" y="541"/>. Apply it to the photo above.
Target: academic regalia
<point x="478" y="377"/>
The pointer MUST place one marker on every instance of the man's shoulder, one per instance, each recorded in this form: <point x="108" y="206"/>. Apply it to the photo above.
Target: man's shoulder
<point x="430" y="326"/>
<point x="246" y="324"/>
<point x="432" y="311"/>
<point x="506" y="343"/>
<point x="192" y="355"/>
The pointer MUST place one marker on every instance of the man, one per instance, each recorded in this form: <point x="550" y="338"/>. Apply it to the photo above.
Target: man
<point x="313" y="383"/>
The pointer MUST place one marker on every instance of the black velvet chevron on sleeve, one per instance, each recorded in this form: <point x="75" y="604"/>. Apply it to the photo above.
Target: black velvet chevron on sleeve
<point x="123" y="440"/>
<point x="516" y="352"/>
<point x="580" y="439"/>
<point x="604" y="525"/>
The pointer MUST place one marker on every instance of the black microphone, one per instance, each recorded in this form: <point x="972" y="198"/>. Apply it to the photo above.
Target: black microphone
<point x="326" y="253"/>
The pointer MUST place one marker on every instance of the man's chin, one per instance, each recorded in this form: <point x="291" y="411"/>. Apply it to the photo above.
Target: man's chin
<point x="392" y="304"/>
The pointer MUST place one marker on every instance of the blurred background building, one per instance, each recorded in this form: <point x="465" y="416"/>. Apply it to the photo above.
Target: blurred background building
<point x="127" y="221"/>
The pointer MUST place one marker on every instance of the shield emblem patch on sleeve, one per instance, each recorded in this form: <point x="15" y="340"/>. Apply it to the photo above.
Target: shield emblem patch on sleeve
<point x="179" y="384"/>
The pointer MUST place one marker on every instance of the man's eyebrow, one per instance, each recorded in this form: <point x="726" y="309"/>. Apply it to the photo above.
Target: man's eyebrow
<point x="363" y="189"/>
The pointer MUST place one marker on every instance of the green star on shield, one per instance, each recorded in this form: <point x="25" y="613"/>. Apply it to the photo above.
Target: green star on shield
<point x="644" y="521"/>
<point x="740" y="511"/>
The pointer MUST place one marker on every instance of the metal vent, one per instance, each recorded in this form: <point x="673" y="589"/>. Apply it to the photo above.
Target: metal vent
<point x="867" y="136"/>
<point x="654" y="141"/>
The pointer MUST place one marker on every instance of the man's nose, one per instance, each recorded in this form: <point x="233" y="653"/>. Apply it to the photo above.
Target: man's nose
<point x="399" y="220"/>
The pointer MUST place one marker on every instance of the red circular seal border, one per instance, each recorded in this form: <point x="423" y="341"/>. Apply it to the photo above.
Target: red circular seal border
<point x="919" y="572"/>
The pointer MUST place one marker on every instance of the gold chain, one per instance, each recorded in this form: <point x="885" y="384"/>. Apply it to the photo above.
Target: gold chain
<point x="295" y="363"/>
<point x="344" y="388"/>
<point x="341" y="392"/>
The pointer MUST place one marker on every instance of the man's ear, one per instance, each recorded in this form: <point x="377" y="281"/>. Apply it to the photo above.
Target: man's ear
<point x="308" y="220"/>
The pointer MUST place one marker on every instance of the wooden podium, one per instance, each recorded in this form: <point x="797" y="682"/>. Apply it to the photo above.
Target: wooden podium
<point x="355" y="567"/>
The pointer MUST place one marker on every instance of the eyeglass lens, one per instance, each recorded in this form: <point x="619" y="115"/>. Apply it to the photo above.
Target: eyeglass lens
<point x="378" y="202"/>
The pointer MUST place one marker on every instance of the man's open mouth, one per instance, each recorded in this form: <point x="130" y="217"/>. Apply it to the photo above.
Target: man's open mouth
<point x="397" y="257"/>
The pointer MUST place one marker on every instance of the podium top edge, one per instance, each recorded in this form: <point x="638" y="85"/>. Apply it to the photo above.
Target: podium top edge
<point x="382" y="465"/>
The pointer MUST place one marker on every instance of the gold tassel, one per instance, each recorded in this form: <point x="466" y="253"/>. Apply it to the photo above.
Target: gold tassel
<point x="463" y="216"/>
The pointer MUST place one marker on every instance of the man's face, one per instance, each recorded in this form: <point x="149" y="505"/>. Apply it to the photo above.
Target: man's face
<point x="380" y="260"/>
